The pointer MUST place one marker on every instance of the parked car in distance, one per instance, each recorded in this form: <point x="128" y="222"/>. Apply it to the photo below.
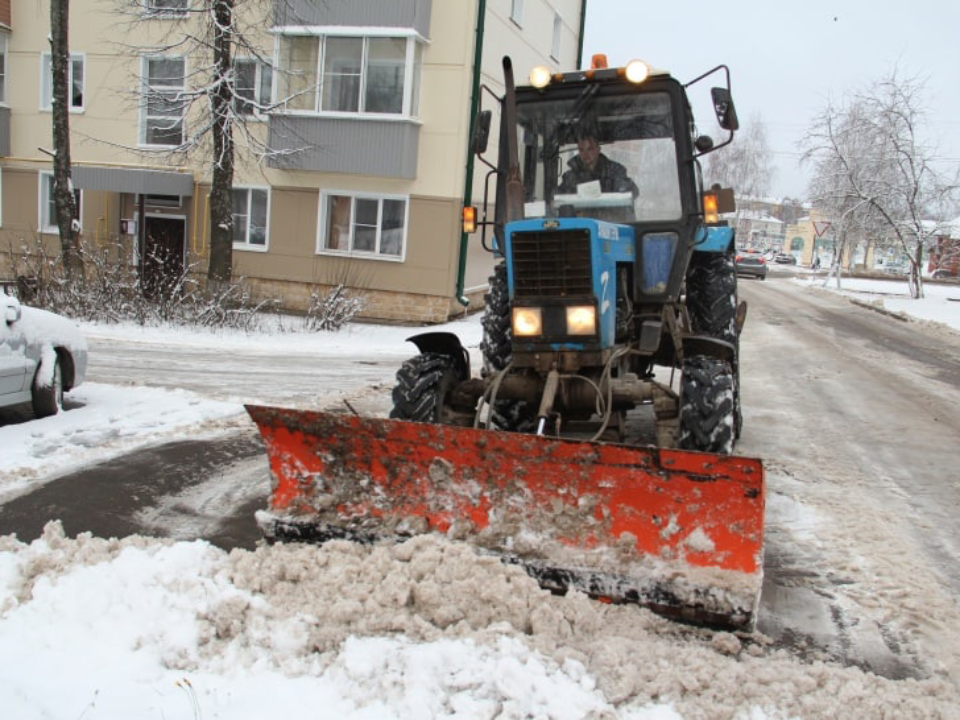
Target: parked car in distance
<point x="943" y="274"/>
<point x="42" y="356"/>
<point x="751" y="265"/>
<point x="785" y="259"/>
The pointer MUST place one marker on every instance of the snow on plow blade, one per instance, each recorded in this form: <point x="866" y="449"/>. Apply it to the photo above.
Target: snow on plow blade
<point x="680" y="532"/>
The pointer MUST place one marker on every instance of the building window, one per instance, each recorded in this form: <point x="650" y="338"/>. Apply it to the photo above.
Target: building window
<point x="166" y="8"/>
<point x="357" y="75"/>
<point x="3" y="67"/>
<point x="363" y="225"/>
<point x="162" y="102"/>
<point x="254" y="81"/>
<point x="557" y="35"/>
<point x="250" y="212"/>
<point x="516" y="11"/>
<point x="48" y="208"/>
<point x="74" y="82"/>
<point x="297" y="81"/>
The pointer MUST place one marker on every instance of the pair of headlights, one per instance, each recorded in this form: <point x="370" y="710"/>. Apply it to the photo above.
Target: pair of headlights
<point x="580" y="320"/>
<point x="635" y="71"/>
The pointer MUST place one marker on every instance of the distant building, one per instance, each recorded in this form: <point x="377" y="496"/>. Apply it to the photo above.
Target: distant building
<point x="762" y="222"/>
<point x="759" y="230"/>
<point x="944" y="256"/>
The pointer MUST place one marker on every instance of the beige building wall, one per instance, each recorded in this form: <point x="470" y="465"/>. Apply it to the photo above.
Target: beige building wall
<point x="420" y="287"/>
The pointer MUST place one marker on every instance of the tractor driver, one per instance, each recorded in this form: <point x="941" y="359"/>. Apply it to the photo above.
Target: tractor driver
<point x="590" y="164"/>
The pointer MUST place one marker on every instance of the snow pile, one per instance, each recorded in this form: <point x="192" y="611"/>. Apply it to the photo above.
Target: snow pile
<point x="940" y="304"/>
<point x="141" y="627"/>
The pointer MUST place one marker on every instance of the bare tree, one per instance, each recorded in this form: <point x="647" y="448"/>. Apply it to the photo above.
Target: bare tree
<point x="63" y="197"/>
<point x="874" y="171"/>
<point x="746" y="165"/>
<point x="222" y="96"/>
<point x="205" y="109"/>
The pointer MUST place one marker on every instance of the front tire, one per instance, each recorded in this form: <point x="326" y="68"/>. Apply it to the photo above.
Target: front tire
<point x="708" y="405"/>
<point x="47" y="400"/>
<point x="423" y="383"/>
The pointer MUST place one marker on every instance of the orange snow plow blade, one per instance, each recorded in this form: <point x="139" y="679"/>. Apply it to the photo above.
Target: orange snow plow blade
<point x="680" y="532"/>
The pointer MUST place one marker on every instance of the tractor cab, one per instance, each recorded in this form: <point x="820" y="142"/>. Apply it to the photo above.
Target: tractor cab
<point x="611" y="145"/>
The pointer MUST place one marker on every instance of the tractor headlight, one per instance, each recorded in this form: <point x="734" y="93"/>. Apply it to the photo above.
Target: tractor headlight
<point x="636" y="71"/>
<point x="540" y="77"/>
<point x="581" y="320"/>
<point x="527" y="322"/>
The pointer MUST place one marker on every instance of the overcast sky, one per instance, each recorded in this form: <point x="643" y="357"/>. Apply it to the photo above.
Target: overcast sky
<point x="787" y="59"/>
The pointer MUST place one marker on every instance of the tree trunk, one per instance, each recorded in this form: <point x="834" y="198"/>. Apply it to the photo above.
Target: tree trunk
<point x="221" y="191"/>
<point x="63" y="197"/>
<point x="916" y="272"/>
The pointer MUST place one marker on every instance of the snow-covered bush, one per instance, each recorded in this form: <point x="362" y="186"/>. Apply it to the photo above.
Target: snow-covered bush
<point x="114" y="288"/>
<point x="333" y="309"/>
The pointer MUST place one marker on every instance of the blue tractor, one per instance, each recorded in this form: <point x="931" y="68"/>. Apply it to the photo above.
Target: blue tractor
<point x="615" y="288"/>
<point x="594" y="446"/>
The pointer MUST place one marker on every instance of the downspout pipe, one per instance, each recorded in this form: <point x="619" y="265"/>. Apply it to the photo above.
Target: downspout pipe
<point x="474" y="107"/>
<point x="583" y="27"/>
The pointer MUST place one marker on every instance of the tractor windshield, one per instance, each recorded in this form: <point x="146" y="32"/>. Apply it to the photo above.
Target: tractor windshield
<point x="611" y="158"/>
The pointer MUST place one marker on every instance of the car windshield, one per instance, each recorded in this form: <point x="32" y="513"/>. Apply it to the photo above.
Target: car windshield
<point x="609" y="157"/>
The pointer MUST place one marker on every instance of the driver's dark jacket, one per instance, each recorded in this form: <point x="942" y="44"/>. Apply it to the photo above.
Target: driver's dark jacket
<point x="612" y="176"/>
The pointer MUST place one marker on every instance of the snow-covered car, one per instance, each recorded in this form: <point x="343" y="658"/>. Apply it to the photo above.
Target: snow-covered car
<point x="785" y="259"/>
<point x="751" y="265"/>
<point x="42" y="356"/>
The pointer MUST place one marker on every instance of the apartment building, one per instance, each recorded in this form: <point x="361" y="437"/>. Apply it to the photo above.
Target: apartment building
<point x="352" y="160"/>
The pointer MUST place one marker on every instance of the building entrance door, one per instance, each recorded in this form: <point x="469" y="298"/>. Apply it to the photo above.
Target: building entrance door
<point x="161" y="265"/>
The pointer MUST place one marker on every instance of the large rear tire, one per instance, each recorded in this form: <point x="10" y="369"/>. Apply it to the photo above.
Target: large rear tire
<point x="712" y="304"/>
<point x="708" y="405"/>
<point x="423" y="383"/>
<point x="712" y="295"/>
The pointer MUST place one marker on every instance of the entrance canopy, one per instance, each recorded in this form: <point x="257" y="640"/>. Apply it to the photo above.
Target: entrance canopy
<point x="132" y="180"/>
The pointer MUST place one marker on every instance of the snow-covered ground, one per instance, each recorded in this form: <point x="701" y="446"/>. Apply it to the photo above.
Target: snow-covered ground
<point x="939" y="304"/>
<point x="148" y="628"/>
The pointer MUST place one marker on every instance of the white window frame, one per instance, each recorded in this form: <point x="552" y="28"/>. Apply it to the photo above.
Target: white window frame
<point x="516" y="12"/>
<point x="261" y="99"/>
<point x="413" y="63"/>
<point x="557" y="42"/>
<point x="47" y="224"/>
<point x="151" y="10"/>
<point x="144" y="100"/>
<point x="46" y="81"/>
<point x="4" y="67"/>
<point x="322" y="220"/>
<point x="246" y="244"/>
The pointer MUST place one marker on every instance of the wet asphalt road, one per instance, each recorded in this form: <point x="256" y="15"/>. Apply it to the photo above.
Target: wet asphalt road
<point x="177" y="490"/>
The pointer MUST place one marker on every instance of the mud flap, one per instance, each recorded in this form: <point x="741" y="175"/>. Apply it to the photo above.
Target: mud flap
<point x="678" y="531"/>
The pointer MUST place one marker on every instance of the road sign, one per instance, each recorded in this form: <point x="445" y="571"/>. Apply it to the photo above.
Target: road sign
<point x="820" y="227"/>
